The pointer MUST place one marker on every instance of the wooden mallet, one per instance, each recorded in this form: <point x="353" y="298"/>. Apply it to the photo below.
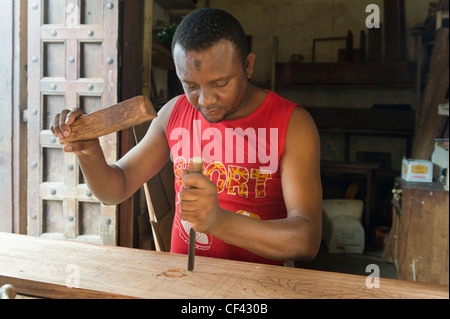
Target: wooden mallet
<point x="112" y="119"/>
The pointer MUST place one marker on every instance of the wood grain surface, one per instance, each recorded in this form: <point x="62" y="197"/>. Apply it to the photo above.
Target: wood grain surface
<point x="112" y="119"/>
<point x="36" y="266"/>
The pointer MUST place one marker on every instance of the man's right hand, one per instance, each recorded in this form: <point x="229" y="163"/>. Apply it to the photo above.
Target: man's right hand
<point x="60" y="128"/>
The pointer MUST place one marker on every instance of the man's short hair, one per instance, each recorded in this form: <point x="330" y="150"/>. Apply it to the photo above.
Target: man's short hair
<point x="204" y="27"/>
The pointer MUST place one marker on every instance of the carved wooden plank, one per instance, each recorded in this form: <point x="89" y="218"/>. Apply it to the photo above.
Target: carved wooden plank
<point x="112" y="119"/>
<point x="149" y="274"/>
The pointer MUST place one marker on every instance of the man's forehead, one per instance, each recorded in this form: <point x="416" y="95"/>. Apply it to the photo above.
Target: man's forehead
<point x="197" y="63"/>
<point x="221" y="45"/>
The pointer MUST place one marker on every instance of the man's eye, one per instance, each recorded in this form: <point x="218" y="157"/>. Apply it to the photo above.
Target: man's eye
<point x="189" y="86"/>
<point x="221" y="84"/>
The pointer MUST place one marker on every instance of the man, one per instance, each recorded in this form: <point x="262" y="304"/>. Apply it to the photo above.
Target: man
<point x="259" y="198"/>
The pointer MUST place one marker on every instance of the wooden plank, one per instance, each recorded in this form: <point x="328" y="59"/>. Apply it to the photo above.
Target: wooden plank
<point x="147" y="48"/>
<point x="431" y="124"/>
<point x="161" y="202"/>
<point x="395" y="30"/>
<point x="131" y="85"/>
<point x="375" y="44"/>
<point x="34" y="220"/>
<point x="109" y="213"/>
<point x="148" y="274"/>
<point x="19" y="170"/>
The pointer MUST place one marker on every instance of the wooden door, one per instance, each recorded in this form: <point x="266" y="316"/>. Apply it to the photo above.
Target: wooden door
<point x="72" y="62"/>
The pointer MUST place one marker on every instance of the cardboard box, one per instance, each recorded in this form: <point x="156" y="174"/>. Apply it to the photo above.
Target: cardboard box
<point x="417" y="170"/>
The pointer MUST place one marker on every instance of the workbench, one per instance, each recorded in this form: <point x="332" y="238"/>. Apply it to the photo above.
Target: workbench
<point x="51" y="268"/>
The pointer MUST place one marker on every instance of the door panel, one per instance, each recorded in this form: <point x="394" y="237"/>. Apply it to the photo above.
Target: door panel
<point x="72" y="62"/>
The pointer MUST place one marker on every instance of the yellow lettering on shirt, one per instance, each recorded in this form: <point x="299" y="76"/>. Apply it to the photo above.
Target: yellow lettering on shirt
<point x="261" y="177"/>
<point x="180" y="164"/>
<point x="217" y="173"/>
<point x="237" y="180"/>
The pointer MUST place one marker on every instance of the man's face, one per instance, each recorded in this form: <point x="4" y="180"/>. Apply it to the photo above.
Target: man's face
<point x="214" y="79"/>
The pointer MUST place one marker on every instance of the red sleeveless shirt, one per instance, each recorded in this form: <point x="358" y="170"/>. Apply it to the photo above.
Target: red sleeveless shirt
<point x="242" y="157"/>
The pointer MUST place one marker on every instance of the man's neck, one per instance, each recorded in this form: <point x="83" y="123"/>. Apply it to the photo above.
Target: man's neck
<point x="253" y="99"/>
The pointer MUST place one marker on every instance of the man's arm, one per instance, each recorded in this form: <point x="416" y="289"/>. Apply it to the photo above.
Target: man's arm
<point x="114" y="183"/>
<point x="293" y="238"/>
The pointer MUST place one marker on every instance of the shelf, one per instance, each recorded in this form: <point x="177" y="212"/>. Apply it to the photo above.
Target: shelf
<point x="345" y="86"/>
<point x="370" y="121"/>
<point x="347" y="74"/>
<point x="175" y="4"/>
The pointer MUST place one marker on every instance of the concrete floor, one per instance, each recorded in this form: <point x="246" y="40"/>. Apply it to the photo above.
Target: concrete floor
<point x="351" y="264"/>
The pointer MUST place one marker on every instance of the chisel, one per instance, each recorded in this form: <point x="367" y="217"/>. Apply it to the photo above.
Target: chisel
<point x="114" y="118"/>
<point x="196" y="167"/>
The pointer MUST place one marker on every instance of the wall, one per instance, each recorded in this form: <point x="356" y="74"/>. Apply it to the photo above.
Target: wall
<point x="297" y="22"/>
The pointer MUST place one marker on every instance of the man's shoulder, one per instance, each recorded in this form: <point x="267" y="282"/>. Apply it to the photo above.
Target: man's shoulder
<point x="301" y="123"/>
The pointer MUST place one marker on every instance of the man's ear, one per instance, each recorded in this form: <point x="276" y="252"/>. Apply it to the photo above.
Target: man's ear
<point x="248" y="66"/>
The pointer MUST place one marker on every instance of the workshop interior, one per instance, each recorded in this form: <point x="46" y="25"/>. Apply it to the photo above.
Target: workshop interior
<point x="372" y="74"/>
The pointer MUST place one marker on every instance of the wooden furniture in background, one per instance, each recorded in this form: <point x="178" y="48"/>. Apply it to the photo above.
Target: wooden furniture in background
<point x="47" y="268"/>
<point x="376" y="121"/>
<point x="355" y="168"/>
<point x="418" y="241"/>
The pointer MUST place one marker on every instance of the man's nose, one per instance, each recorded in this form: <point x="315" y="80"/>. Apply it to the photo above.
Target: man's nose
<point x="207" y="98"/>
